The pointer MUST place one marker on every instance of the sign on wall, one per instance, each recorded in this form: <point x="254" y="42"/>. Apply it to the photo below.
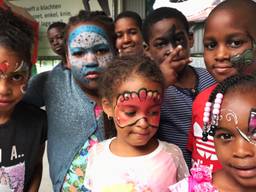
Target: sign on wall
<point x="49" y="11"/>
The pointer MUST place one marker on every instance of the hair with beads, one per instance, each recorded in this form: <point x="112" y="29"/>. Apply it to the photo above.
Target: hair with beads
<point x="237" y="84"/>
<point x="98" y="17"/>
<point x="160" y="14"/>
<point x="16" y="35"/>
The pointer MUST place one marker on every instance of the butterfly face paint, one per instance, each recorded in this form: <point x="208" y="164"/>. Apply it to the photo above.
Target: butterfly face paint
<point x="89" y="51"/>
<point x="131" y="107"/>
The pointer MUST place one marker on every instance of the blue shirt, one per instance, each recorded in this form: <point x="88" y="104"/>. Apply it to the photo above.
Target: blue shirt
<point x="176" y="112"/>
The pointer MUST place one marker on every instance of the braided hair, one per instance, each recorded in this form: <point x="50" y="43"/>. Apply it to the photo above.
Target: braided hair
<point x="242" y="83"/>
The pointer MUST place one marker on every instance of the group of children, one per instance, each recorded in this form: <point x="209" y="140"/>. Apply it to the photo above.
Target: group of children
<point x="147" y="104"/>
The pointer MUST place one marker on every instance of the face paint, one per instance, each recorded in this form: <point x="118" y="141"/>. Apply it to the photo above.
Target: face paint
<point x="229" y="116"/>
<point x="245" y="59"/>
<point x="20" y="69"/>
<point x="251" y="136"/>
<point x="177" y="38"/>
<point x="89" y="51"/>
<point x="131" y="107"/>
<point x="252" y="126"/>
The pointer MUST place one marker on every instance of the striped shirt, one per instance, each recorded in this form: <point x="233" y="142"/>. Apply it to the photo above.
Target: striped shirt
<point x="176" y="112"/>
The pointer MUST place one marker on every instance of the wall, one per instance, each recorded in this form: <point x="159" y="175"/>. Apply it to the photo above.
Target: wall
<point x="49" y="11"/>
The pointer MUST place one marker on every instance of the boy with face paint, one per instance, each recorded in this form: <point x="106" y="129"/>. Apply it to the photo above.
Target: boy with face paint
<point x="229" y="49"/>
<point x="166" y="31"/>
<point x="23" y="127"/>
<point x="74" y="112"/>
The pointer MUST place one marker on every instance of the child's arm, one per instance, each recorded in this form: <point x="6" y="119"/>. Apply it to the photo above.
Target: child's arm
<point x="171" y="67"/>
<point x="37" y="175"/>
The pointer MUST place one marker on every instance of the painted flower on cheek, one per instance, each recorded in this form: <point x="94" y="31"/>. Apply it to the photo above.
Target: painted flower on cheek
<point x="89" y="51"/>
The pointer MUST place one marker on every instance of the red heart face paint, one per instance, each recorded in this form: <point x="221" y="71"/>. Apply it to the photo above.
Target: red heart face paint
<point x="3" y="67"/>
<point x="131" y="107"/>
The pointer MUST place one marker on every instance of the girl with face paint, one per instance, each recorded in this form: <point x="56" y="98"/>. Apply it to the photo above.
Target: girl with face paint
<point x="229" y="119"/>
<point x="22" y="126"/>
<point x="134" y="159"/>
<point x="89" y="49"/>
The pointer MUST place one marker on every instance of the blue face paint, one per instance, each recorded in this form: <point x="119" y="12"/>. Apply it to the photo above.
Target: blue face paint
<point x="89" y="51"/>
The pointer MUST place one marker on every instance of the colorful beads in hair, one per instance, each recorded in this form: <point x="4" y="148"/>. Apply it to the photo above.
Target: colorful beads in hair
<point x="212" y="106"/>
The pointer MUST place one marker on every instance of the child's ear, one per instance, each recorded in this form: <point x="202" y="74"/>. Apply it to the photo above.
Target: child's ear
<point x="191" y="39"/>
<point x="107" y="107"/>
<point x="146" y="51"/>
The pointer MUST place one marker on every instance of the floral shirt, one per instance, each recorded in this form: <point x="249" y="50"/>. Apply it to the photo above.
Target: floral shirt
<point x="75" y="176"/>
<point x="200" y="180"/>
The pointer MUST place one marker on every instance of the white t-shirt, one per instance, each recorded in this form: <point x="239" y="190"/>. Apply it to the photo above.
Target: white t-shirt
<point x="155" y="172"/>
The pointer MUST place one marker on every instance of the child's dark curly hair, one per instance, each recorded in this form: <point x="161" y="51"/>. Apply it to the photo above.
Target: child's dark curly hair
<point x="16" y="34"/>
<point x="120" y="69"/>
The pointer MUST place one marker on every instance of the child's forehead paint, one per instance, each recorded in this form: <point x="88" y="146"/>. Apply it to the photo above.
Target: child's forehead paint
<point x="86" y="29"/>
<point x="18" y="67"/>
<point x="228" y="115"/>
<point x="4" y="66"/>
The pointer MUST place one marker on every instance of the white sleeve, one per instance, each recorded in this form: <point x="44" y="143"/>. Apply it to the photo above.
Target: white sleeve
<point x="182" y="169"/>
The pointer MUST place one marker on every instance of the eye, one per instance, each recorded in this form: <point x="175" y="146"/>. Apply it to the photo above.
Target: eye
<point x="119" y="35"/>
<point x="235" y="43"/>
<point x="161" y="44"/>
<point x="102" y="51"/>
<point x="78" y="53"/>
<point x="133" y="32"/>
<point x="210" y="45"/>
<point x="130" y="113"/>
<point x="17" y="77"/>
<point x="225" y="137"/>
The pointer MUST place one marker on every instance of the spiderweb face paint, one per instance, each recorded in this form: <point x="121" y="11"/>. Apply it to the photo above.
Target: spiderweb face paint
<point x="131" y="107"/>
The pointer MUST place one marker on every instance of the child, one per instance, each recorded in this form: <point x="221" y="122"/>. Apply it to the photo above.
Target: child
<point x="134" y="160"/>
<point x="75" y="120"/>
<point x="55" y="35"/>
<point x="224" y="40"/>
<point x="129" y="40"/>
<point x="166" y="31"/>
<point x="231" y="120"/>
<point x="22" y="126"/>
<point x="37" y="84"/>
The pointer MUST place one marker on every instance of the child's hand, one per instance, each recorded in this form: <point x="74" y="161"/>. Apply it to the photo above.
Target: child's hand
<point x="171" y="66"/>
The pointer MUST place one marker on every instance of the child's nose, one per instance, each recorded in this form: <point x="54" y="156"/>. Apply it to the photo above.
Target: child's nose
<point x="90" y="57"/>
<point x="126" y="38"/>
<point x="143" y="122"/>
<point x="243" y="149"/>
<point x="222" y="53"/>
<point x="5" y="88"/>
